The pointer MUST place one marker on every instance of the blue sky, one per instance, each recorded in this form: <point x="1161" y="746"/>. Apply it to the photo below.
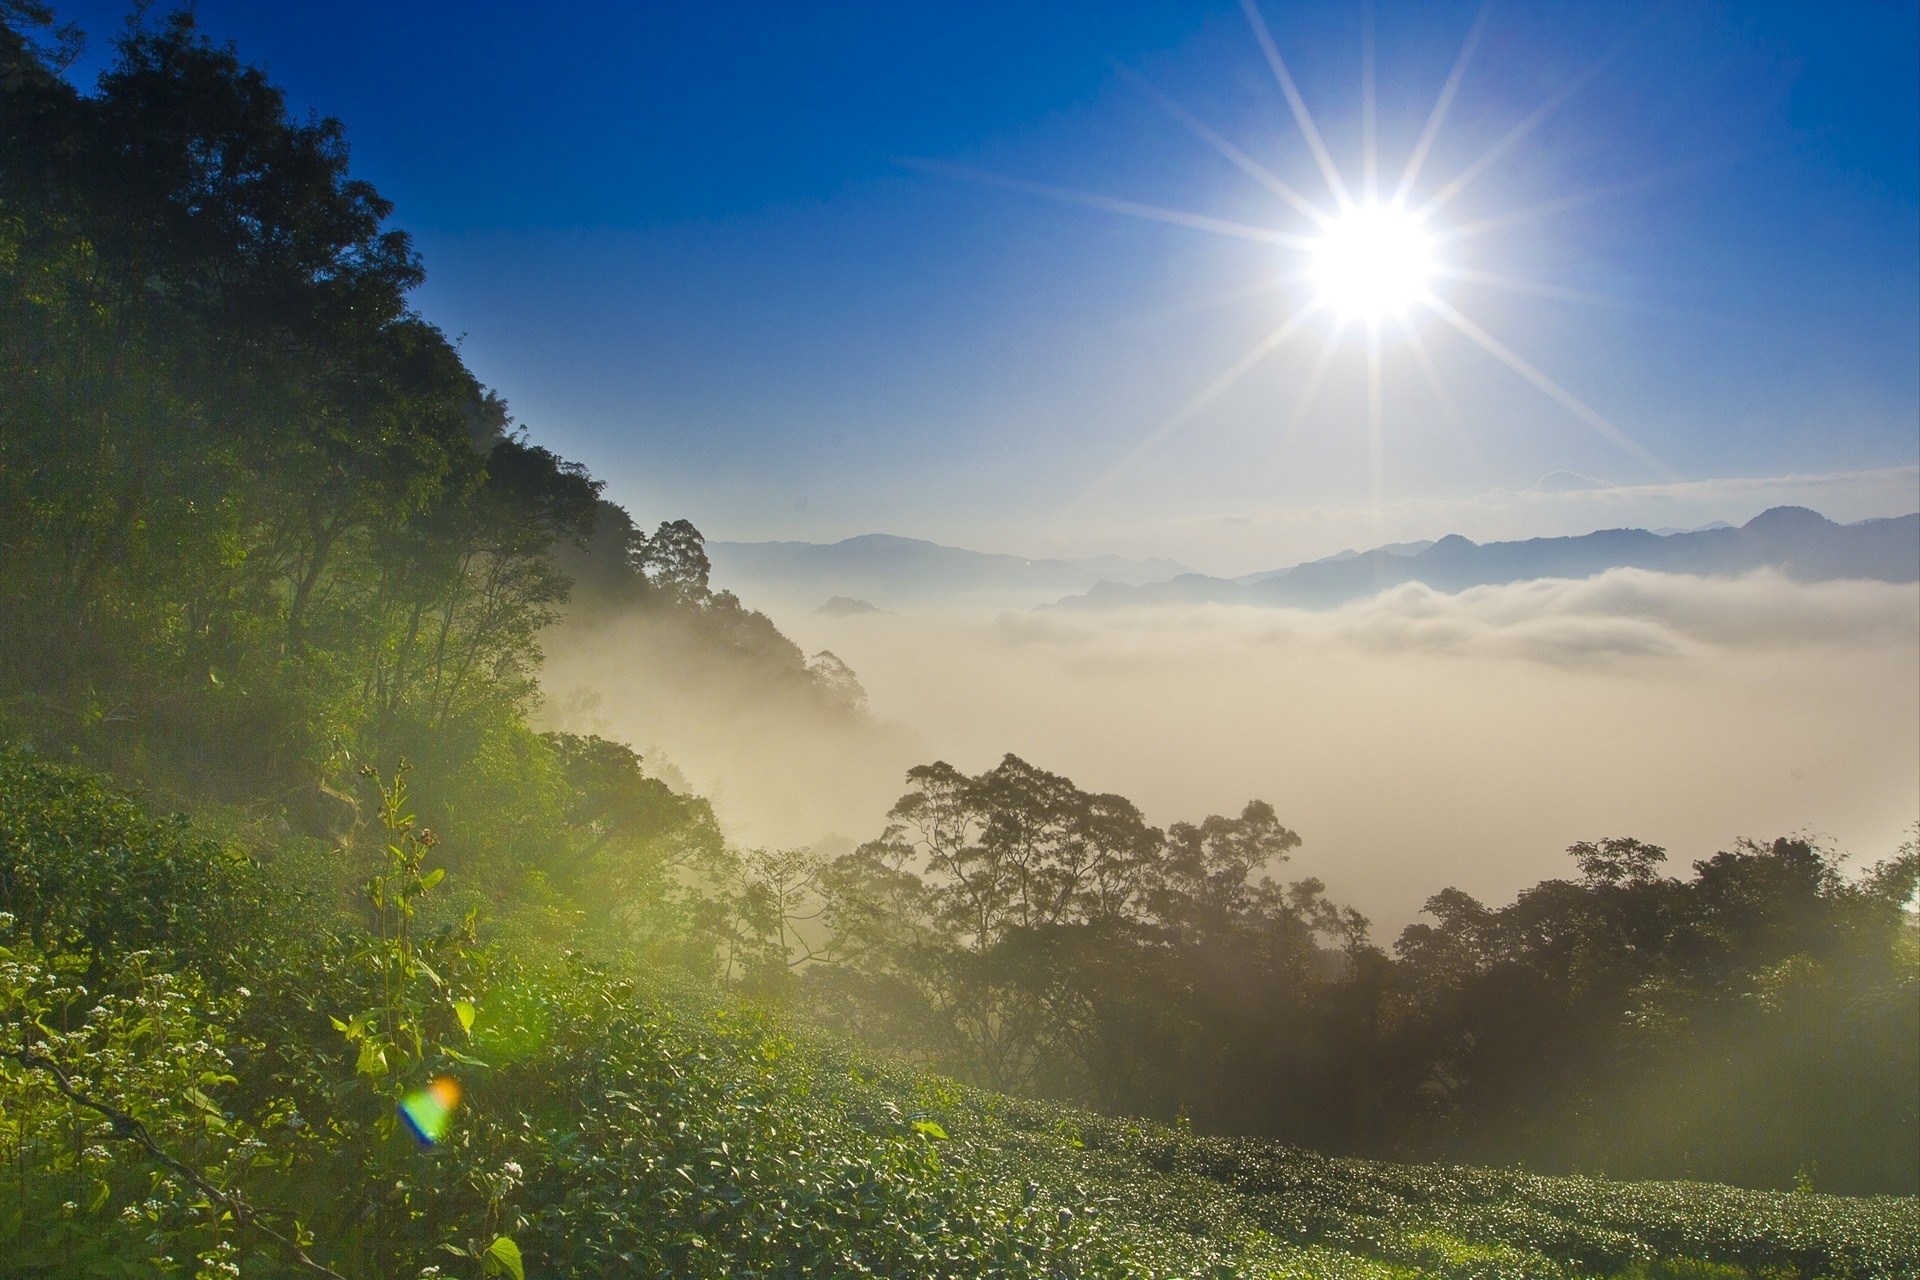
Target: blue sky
<point x="682" y="242"/>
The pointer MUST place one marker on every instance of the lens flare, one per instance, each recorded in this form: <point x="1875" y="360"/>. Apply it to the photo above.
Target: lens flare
<point x="1372" y="261"/>
<point x="429" y="1111"/>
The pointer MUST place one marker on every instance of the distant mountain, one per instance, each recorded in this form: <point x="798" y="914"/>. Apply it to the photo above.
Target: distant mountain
<point x="1121" y="569"/>
<point x="1803" y="544"/>
<point x="1666" y="530"/>
<point x="847" y="607"/>
<point x="886" y="570"/>
<point x="1392" y="549"/>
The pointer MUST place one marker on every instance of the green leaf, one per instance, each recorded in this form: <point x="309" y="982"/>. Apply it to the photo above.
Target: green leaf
<point x="458" y="1056"/>
<point x="504" y="1255"/>
<point x="464" y="1010"/>
<point x="432" y="878"/>
<point x="201" y="1101"/>
<point x="372" y="1060"/>
<point x="339" y="1025"/>
<point x="930" y="1128"/>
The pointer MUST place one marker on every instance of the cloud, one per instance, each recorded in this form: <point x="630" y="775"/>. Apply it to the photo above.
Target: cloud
<point x="1566" y="482"/>
<point x="1416" y="740"/>
<point x="1621" y="615"/>
<point x="1419" y="740"/>
<point x="1633" y="614"/>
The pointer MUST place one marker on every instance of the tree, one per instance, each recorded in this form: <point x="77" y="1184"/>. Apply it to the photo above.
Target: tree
<point x="1034" y="936"/>
<point x="674" y="561"/>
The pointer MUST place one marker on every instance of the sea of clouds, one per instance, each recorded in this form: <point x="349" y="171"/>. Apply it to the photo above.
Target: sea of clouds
<point x="1416" y="739"/>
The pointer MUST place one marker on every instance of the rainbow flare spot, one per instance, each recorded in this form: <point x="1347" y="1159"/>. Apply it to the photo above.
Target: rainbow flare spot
<point x="429" y="1111"/>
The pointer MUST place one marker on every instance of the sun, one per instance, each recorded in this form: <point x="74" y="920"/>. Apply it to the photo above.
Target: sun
<point x="1375" y="266"/>
<point x="1372" y="262"/>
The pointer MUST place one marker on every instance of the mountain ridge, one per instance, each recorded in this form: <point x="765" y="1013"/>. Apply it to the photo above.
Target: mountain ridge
<point x="1802" y="543"/>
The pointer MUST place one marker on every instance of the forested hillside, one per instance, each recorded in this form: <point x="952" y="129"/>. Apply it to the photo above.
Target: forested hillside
<point x="261" y="523"/>
<point x="318" y="956"/>
<point x="1755" y="1021"/>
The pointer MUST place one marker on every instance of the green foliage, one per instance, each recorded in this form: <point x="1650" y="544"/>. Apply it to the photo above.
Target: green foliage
<point x="1028" y="935"/>
<point x="260" y="519"/>
<point x="1747" y="1023"/>
<point x="1757" y="1018"/>
<point x="422" y="988"/>
<point x="613" y="1126"/>
<point x="88" y="874"/>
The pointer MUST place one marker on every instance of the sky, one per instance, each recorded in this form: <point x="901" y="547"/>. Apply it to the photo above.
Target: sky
<point x="773" y="267"/>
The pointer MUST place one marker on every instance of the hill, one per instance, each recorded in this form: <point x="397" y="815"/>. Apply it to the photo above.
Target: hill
<point x="1802" y="544"/>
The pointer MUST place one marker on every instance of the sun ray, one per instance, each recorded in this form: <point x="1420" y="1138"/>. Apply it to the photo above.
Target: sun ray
<point x="1223" y="298"/>
<point x="1417" y="345"/>
<point x="1443" y="104"/>
<point x="1240" y="159"/>
<point x="1424" y="359"/>
<point x="1369" y="109"/>
<point x="1315" y="377"/>
<point x="1330" y="346"/>
<point x="1132" y="208"/>
<point x="1301" y="116"/>
<point x="1547" y="208"/>
<point x="1538" y="288"/>
<point x="1512" y="137"/>
<point x="1553" y="390"/>
<point x="1234" y="372"/>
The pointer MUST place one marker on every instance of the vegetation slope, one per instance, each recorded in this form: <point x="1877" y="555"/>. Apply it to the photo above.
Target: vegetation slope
<point x="213" y="1055"/>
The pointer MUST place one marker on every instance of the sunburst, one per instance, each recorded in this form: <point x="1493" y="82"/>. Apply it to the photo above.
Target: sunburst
<point x="1372" y="259"/>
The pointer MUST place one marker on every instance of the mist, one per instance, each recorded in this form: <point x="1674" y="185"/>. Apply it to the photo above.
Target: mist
<point x="781" y="767"/>
<point x="1415" y="740"/>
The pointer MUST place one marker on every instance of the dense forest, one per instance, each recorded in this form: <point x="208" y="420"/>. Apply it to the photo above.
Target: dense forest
<point x="1754" y="1022"/>
<point x="272" y="561"/>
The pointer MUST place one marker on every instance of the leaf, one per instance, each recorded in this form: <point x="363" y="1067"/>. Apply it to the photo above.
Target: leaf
<point x="458" y="1056"/>
<point x="432" y="878"/>
<point x="339" y="1025"/>
<point x="201" y="1101"/>
<point x="372" y="1060"/>
<point x="503" y="1254"/>
<point x="931" y="1128"/>
<point x="464" y="1010"/>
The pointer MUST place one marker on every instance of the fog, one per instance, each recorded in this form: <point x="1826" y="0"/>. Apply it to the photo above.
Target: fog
<point x="1415" y="740"/>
